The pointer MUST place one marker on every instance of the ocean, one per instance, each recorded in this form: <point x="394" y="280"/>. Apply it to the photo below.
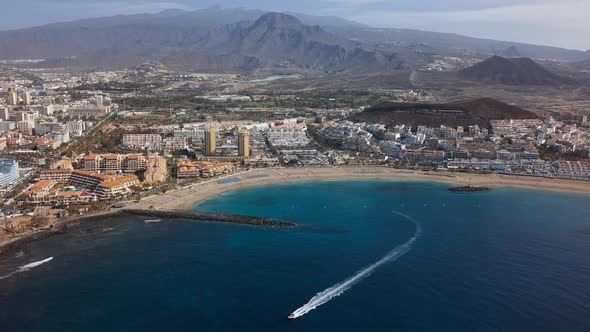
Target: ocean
<point x="366" y="256"/>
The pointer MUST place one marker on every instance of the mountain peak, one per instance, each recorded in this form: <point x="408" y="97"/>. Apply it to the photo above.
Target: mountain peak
<point x="279" y="20"/>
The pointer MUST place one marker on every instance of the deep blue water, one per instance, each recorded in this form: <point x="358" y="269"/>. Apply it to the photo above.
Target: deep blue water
<point x="506" y="260"/>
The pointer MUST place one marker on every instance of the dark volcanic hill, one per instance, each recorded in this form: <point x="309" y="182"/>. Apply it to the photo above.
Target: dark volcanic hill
<point x="461" y="113"/>
<point x="514" y="71"/>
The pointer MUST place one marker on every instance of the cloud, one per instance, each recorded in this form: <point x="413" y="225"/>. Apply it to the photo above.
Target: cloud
<point x="101" y="8"/>
<point x="564" y="23"/>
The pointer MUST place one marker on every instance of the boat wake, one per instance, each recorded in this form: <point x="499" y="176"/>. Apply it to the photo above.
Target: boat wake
<point x="27" y="267"/>
<point x="327" y="295"/>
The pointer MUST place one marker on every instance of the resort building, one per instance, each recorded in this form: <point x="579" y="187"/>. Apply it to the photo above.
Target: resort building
<point x="196" y="134"/>
<point x="175" y="143"/>
<point x="49" y="192"/>
<point x="117" y="163"/>
<point x="102" y="185"/>
<point x="40" y="190"/>
<point x="119" y="186"/>
<point x="156" y="170"/>
<point x="8" y="172"/>
<point x="82" y="178"/>
<point x="288" y="138"/>
<point x="262" y="162"/>
<point x="244" y="143"/>
<point x="143" y="141"/>
<point x="204" y="169"/>
<point x="210" y="142"/>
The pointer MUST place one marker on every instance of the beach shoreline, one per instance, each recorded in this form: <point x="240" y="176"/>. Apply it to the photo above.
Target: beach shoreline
<point x="188" y="197"/>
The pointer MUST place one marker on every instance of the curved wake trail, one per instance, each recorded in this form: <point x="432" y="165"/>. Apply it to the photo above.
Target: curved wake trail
<point x="27" y="267"/>
<point x="338" y="289"/>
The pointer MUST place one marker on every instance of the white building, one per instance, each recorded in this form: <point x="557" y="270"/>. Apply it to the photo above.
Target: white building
<point x="291" y="138"/>
<point x="77" y="127"/>
<point x="8" y="172"/>
<point x="176" y="143"/>
<point x="196" y="134"/>
<point x="48" y="127"/>
<point x="142" y="141"/>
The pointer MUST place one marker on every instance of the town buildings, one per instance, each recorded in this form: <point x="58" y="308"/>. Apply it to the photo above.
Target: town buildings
<point x="186" y="169"/>
<point x="101" y="185"/>
<point x="210" y="142"/>
<point x="121" y="163"/>
<point x="9" y="172"/>
<point x="142" y="141"/>
<point x="244" y="143"/>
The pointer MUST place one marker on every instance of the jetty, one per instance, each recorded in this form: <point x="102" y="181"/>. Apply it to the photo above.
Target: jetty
<point x="211" y="217"/>
<point x="469" y="188"/>
<point x="62" y="226"/>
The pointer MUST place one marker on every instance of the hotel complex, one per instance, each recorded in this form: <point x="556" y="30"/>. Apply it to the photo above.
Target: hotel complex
<point x="210" y="142"/>
<point x="244" y="143"/>
<point x="8" y="172"/>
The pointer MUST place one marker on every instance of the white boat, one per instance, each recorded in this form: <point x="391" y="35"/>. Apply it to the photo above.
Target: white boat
<point x="151" y="221"/>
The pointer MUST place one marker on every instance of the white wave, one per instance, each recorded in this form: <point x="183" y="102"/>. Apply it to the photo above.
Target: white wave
<point x="33" y="265"/>
<point x="338" y="289"/>
<point x="27" y="267"/>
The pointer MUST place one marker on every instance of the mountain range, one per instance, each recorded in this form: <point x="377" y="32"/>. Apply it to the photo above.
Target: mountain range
<point x="219" y="39"/>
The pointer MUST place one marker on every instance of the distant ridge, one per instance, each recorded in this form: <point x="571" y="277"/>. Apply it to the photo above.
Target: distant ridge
<point x="513" y="71"/>
<point x="460" y="113"/>
<point x="273" y="40"/>
<point x="187" y="40"/>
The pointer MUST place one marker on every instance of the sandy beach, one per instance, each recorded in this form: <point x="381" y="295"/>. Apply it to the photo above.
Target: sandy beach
<point x="186" y="198"/>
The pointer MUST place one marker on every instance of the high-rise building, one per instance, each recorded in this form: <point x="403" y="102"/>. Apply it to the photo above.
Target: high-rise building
<point x="12" y="96"/>
<point x="584" y="120"/>
<point x="210" y="142"/>
<point x="26" y="127"/>
<point x="4" y="113"/>
<point x="8" y="172"/>
<point x="244" y="143"/>
<point x="27" y="100"/>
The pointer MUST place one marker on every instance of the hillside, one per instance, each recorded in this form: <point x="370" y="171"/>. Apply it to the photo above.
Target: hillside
<point x="460" y="113"/>
<point x="450" y="43"/>
<point x="273" y="40"/>
<point x="513" y="71"/>
<point x="277" y="38"/>
<point x="320" y="42"/>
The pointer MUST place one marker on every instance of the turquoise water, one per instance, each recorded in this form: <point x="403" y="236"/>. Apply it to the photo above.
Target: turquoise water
<point x="506" y="260"/>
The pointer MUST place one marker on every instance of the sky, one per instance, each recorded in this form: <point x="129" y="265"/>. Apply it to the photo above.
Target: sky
<point x="562" y="23"/>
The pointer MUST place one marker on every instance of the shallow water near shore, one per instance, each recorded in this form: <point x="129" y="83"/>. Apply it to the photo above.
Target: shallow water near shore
<point x="505" y="260"/>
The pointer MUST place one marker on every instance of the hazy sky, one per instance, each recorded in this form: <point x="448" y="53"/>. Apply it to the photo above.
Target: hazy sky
<point x="564" y="23"/>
